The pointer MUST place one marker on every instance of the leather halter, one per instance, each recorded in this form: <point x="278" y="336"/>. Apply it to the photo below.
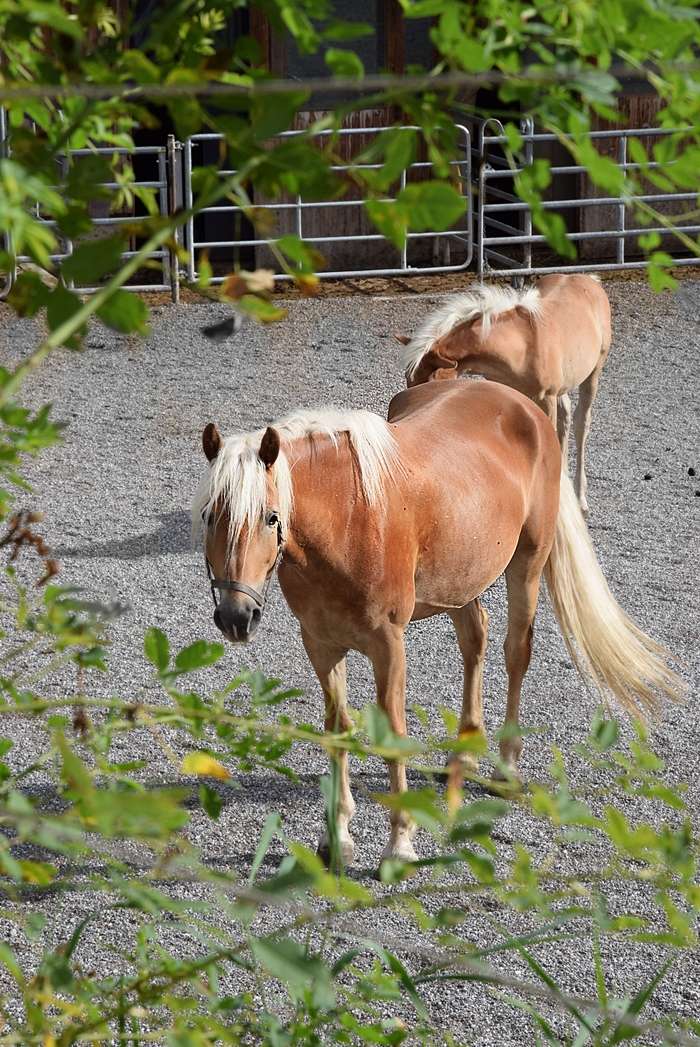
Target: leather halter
<point x="241" y="587"/>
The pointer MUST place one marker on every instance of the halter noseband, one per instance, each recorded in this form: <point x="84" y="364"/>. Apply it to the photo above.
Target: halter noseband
<point x="241" y="587"/>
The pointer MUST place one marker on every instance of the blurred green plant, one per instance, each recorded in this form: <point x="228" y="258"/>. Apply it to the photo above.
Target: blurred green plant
<point x="303" y="945"/>
<point x="302" y="948"/>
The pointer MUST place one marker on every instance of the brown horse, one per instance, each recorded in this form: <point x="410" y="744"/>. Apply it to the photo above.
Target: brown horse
<point x="544" y="342"/>
<point x="377" y="524"/>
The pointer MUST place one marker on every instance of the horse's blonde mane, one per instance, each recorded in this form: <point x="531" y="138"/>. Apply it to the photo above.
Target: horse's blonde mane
<point x="235" y="479"/>
<point x="485" y="302"/>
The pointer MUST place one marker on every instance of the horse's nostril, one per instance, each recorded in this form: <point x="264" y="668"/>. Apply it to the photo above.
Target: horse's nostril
<point x="217" y="620"/>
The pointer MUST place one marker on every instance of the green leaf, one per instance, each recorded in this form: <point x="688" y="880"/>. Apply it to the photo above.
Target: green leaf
<point x="272" y="827"/>
<point x="401" y="152"/>
<point x="431" y="205"/>
<point x="157" y="648"/>
<point x="124" y="312"/>
<point x="420" y="206"/>
<point x="659" y="279"/>
<point x="9" y="959"/>
<point x="604" y="733"/>
<point x="61" y="307"/>
<point x="86" y="177"/>
<point x="75" y="222"/>
<point x="307" y="257"/>
<point x="397" y="968"/>
<point x="210" y="801"/>
<point x="260" y="310"/>
<point x="29" y="294"/>
<point x="473" y="55"/>
<point x="344" y="63"/>
<point x="339" y="29"/>
<point x="390" y="219"/>
<point x="273" y="114"/>
<point x="289" y="961"/>
<point x="90" y="261"/>
<point x="198" y="654"/>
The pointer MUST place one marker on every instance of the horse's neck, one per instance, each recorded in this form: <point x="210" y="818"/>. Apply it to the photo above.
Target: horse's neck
<point x="324" y="483"/>
<point x="503" y="353"/>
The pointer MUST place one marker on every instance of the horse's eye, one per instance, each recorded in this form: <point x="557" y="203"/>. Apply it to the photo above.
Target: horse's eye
<point x="272" y="519"/>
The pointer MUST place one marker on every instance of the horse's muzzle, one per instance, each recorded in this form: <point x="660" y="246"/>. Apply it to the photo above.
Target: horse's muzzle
<point x="239" y="623"/>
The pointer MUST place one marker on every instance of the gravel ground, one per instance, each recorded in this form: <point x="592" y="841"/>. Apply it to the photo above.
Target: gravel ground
<point x="116" y="498"/>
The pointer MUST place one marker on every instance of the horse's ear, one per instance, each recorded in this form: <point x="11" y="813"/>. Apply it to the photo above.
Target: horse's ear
<point x="403" y="338"/>
<point x="436" y="361"/>
<point x="211" y="441"/>
<point x="269" y="447"/>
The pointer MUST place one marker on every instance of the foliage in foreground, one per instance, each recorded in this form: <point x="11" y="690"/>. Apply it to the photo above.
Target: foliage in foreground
<point x="202" y="956"/>
<point x="296" y="958"/>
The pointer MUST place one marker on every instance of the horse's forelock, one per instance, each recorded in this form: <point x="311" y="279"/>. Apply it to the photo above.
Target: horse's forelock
<point x="235" y="485"/>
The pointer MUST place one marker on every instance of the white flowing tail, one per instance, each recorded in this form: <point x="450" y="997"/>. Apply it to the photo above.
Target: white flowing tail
<point x="604" y="643"/>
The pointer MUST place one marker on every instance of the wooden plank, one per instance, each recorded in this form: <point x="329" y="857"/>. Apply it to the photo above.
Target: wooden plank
<point x="394" y="50"/>
<point x="260" y="32"/>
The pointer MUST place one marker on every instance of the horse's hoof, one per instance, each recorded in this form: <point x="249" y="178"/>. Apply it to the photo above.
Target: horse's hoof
<point x="469" y="762"/>
<point x="347" y="851"/>
<point x="508" y="781"/>
<point x="401" y="851"/>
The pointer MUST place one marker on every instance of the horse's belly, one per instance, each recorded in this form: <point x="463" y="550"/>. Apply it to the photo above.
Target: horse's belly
<point x="457" y="576"/>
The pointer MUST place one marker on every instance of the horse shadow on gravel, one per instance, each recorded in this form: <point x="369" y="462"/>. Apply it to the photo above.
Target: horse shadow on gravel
<point x="171" y="539"/>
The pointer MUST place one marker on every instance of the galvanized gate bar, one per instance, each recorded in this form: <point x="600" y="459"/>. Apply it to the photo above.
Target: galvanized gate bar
<point x="4" y="238"/>
<point x="160" y="183"/>
<point x="494" y="200"/>
<point x="462" y="167"/>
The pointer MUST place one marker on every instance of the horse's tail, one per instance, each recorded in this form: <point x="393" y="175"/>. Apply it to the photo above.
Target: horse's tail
<point x="604" y="643"/>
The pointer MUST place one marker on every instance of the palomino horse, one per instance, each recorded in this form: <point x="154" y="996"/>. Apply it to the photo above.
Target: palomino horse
<point x="377" y="524"/>
<point x="543" y="341"/>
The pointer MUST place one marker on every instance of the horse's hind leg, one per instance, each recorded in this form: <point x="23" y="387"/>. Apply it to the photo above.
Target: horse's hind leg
<point x="329" y="666"/>
<point x="522" y="581"/>
<point x="388" y="658"/>
<point x="563" y="428"/>
<point x="471" y="624"/>
<point x="582" y="423"/>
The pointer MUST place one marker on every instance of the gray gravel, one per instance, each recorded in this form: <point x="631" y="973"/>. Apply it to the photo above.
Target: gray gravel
<point x="116" y="499"/>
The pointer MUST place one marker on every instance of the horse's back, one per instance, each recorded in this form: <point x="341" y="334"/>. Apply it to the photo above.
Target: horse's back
<point x="473" y="411"/>
<point x="501" y="434"/>
<point x="577" y="291"/>
<point x="482" y="462"/>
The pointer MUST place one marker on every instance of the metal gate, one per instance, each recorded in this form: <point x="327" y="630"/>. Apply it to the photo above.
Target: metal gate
<point x="159" y="180"/>
<point x="297" y="215"/>
<point x="504" y="234"/>
<point x="497" y="221"/>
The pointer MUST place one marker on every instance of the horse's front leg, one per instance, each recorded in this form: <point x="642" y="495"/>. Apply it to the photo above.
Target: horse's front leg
<point x="388" y="657"/>
<point x="582" y="423"/>
<point x="329" y="666"/>
<point x="471" y="625"/>
<point x="563" y="428"/>
<point x="548" y="403"/>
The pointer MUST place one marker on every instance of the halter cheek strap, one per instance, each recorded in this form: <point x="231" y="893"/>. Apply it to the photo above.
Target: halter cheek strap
<point x="241" y="587"/>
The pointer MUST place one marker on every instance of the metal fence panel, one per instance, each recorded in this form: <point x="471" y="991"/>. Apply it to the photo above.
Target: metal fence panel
<point x="4" y="243"/>
<point x="497" y="221"/>
<point x="301" y="211"/>
<point x="504" y="233"/>
<point x="159" y="182"/>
